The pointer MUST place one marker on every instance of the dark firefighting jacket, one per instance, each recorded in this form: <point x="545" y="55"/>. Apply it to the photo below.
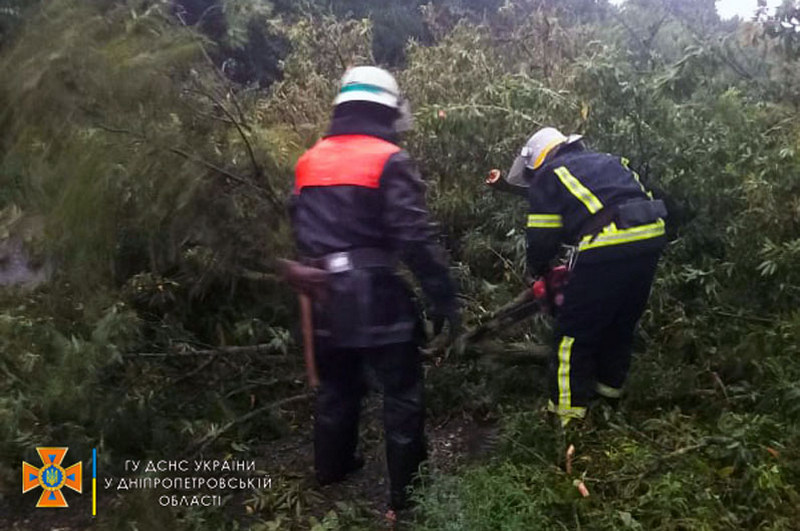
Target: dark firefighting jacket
<point x="358" y="195"/>
<point x="593" y="201"/>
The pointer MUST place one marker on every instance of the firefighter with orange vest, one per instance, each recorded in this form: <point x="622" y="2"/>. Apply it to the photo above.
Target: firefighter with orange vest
<point x="357" y="210"/>
<point x="595" y="203"/>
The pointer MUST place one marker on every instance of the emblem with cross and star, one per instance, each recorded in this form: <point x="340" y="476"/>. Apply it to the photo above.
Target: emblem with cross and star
<point x="52" y="477"/>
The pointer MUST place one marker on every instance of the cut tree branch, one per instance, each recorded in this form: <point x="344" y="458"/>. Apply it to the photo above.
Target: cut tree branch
<point x="220" y="74"/>
<point x="211" y="437"/>
<point x="257" y="169"/>
<point x="263" y="348"/>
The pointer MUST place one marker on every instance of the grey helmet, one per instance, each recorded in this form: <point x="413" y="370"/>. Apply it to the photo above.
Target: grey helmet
<point x="535" y="151"/>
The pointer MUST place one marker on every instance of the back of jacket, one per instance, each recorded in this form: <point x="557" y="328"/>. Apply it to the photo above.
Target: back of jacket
<point x="568" y="191"/>
<point x="357" y="189"/>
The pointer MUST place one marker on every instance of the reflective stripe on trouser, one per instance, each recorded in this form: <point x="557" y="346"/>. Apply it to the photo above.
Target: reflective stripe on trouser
<point x="563" y="406"/>
<point x="594" y="330"/>
<point x="564" y="355"/>
<point x="563" y="402"/>
<point x="566" y="414"/>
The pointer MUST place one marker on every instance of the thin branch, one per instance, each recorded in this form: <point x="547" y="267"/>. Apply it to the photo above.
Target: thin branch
<point x="752" y="318"/>
<point x="508" y="264"/>
<point x="257" y="169"/>
<point x="192" y="373"/>
<point x="721" y="385"/>
<point x="211" y="166"/>
<point x="479" y="106"/>
<point x="704" y="442"/>
<point x="210" y="438"/>
<point x="259" y="276"/>
<point x="553" y="467"/>
<point x="219" y="73"/>
<point x="263" y="348"/>
<point x="211" y="116"/>
<point x="262" y="384"/>
<point x="270" y="194"/>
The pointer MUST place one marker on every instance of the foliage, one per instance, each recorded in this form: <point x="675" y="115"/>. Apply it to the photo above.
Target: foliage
<point x="148" y="153"/>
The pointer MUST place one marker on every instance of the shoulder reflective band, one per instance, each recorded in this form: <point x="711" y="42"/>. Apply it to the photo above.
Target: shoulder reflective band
<point x="544" y="221"/>
<point x="613" y="236"/>
<point x="625" y="162"/>
<point x="577" y="189"/>
<point x="365" y="87"/>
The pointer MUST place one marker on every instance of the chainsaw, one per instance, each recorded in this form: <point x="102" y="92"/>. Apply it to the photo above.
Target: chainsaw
<point x="545" y="295"/>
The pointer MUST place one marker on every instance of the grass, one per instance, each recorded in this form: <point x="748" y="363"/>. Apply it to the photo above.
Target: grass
<point x="679" y="455"/>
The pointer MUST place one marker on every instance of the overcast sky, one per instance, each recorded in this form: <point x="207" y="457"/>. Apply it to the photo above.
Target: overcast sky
<point x="731" y="8"/>
<point x="743" y="8"/>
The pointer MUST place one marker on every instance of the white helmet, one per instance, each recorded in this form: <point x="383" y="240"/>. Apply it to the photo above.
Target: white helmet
<point x="375" y="85"/>
<point x="369" y="83"/>
<point x="535" y="151"/>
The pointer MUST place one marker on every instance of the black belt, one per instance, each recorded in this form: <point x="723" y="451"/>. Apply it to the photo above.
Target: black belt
<point x="360" y="258"/>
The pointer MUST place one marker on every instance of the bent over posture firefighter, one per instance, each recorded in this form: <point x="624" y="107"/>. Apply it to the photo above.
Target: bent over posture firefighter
<point x="596" y="203"/>
<point x="358" y="207"/>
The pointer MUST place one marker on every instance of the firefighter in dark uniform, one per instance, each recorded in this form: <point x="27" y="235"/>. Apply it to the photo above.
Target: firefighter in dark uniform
<point x="595" y="203"/>
<point x="358" y="208"/>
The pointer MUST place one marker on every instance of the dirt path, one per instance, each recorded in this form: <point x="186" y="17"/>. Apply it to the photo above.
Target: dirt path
<point x="452" y="440"/>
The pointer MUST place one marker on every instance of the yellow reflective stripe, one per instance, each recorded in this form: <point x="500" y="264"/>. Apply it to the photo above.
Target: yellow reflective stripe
<point x="544" y="221"/>
<point x="577" y="189"/>
<point x="566" y="413"/>
<point x="613" y="236"/>
<point x="608" y="391"/>
<point x="626" y="162"/>
<point x="575" y="411"/>
<point x="564" y="358"/>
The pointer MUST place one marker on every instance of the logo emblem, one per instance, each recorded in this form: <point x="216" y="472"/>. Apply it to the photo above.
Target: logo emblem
<point x="52" y="477"/>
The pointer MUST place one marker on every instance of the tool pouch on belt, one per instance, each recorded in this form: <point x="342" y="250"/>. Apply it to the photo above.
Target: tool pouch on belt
<point x="305" y="279"/>
<point x="347" y="313"/>
<point x="635" y="213"/>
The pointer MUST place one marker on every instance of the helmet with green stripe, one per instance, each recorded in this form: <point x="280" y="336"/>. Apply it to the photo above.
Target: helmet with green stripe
<point x="376" y="85"/>
<point x="369" y="83"/>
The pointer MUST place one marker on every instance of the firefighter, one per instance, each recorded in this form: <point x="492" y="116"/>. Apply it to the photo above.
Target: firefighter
<point x="358" y="207"/>
<point x="595" y="203"/>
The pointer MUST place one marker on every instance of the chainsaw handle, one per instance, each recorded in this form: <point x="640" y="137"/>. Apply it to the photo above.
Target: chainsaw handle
<point x="539" y="289"/>
<point x="549" y="288"/>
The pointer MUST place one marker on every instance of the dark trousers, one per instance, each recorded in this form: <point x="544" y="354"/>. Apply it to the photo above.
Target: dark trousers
<point x="342" y="372"/>
<point x="594" y="330"/>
